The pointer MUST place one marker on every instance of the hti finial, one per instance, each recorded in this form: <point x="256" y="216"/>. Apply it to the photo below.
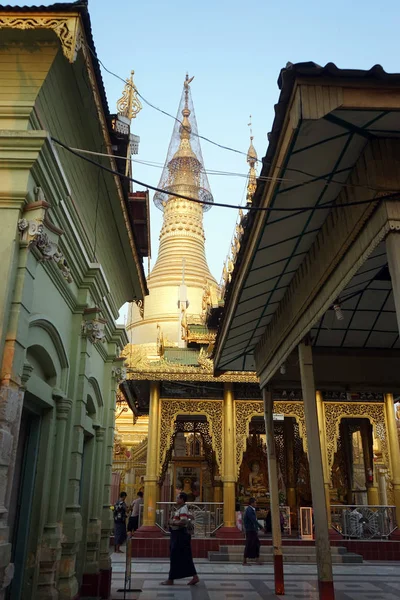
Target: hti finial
<point x="252" y="160"/>
<point x="251" y="130"/>
<point x="186" y="84"/>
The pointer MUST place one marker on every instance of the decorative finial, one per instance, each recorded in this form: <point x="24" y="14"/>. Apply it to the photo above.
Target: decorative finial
<point x="185" y="128"/>
<point x="129" y="105"/>
<point x="251" y="160"/>
<point x="251" y="130"/>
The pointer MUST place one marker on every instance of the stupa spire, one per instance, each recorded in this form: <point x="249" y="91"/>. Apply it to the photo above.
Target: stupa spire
<point x="252" y="161"/>
<point x="182" y="233"/>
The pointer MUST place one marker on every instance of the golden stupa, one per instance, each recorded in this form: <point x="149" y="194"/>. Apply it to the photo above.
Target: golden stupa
<point x="181" y="274"/>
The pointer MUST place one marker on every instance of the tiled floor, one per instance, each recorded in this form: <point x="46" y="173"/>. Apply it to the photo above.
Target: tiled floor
<point x="369" y="581"/>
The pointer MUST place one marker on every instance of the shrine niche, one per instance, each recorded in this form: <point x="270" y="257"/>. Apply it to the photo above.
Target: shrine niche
<point x="253" y="474"/>
<point x="191" y="460"/>
<point x="301" y="471"/>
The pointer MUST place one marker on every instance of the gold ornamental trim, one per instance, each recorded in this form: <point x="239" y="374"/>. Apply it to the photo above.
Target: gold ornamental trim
<point x="141" y="368"/>
<point x="66" y="27"/>
<point x="171" y="409"/>
<point x="336" y="411"/>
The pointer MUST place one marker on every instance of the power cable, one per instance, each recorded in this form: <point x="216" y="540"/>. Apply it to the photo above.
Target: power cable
<point x="222" y="146"/>
<point x="297" y="210"/>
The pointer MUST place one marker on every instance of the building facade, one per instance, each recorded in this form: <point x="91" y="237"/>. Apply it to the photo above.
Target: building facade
<point x="69" y="261"/>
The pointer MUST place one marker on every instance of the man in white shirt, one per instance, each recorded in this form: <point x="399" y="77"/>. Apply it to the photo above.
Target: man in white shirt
<point x="133" y="523"/>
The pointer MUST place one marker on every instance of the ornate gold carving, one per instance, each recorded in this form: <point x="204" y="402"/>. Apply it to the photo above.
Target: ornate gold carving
<point x="212" y="409"/>
<point x="140" y="305"/>
<point x="245" y="410"/>
<point x="336" y="411"/>
<point x="67" y="29"/>
<point x="140" y="367"/>
<point x="129" y="104"/>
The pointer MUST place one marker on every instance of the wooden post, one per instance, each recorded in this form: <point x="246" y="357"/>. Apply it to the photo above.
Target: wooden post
<point x="322" y="545"/>
<point x="273" y="492"/>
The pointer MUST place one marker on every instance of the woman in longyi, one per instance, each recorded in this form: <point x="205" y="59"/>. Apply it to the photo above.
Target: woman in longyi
<point x="181" y="561"/>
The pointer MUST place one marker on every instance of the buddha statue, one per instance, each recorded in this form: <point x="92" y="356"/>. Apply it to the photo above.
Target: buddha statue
<point x="256" y="479"/>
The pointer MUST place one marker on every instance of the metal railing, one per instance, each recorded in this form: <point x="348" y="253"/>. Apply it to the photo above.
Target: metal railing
<point x="207" y="516"/>
<point x="364" y="522"/>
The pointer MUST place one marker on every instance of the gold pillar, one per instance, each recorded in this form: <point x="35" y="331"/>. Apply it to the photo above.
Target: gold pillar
<point x="152" y="466"/>
<point x="325" y="466"/>
<point x="229" y="457"/>
<point x="217" y="491"/>
<point x="394" y="450"/>
<point x="290" y="474"/>
<point x="372" y="488"/>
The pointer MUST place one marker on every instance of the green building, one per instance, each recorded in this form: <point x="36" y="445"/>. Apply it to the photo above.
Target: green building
<point x="70" y="257"/>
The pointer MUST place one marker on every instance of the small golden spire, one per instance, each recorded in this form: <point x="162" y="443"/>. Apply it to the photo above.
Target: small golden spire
<point x="252" y="160"/>
<point x="129" y="104"/>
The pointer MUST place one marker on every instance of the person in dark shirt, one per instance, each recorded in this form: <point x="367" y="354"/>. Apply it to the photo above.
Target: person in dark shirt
<point x="251" y="526"/>
<point x="120" y="509"/>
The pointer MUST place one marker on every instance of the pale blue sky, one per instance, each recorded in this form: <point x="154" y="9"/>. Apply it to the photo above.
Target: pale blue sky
<point x="235" y="50"/>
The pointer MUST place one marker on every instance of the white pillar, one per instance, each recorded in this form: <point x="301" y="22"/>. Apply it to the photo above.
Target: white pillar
<point x="273" y="492"/>
<point x="322" y="544"/>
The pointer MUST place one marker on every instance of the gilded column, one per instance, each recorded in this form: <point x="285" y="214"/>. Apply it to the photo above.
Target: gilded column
<point x="394" y="450"/>
<point x="229" y="479"/>
<point x="322" y="544"/>
<point x="273" y="491"/>
<point x="152" y="465"/>
<point x="370" y="476"/>
<point x="325" y="466"/>
<point x="290" y="473"/>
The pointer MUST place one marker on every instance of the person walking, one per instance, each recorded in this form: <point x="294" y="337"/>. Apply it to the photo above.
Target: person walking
<point x="133" y="522"/>
<point x="120" y="510"/>
<point x="251" y="526"/>
<point x="181" y="561"/>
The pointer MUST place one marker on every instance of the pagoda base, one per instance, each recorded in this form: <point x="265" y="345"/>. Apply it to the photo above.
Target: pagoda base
<point x="152" y="547"/>
<point x="148" y="532"/>
<point x="229" y="533"/>
<point x="334" y="535"/>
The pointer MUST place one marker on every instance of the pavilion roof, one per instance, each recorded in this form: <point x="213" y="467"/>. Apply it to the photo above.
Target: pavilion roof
<point x="323" y="122"/>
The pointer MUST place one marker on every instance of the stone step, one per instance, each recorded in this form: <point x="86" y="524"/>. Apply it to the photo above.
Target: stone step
<point x="231" y="557"/>
<point x="286" y="549"/>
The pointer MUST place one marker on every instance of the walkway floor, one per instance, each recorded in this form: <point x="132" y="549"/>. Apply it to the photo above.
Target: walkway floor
<point x="368" y="581"/>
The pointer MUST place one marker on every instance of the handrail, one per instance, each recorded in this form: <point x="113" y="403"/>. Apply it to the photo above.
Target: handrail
<point x="366" y="522"/>
<point x="208" y="516"/>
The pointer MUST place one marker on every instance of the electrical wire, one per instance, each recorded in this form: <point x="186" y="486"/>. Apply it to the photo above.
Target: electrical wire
<point x="161" y="166"/>
<point x="222" y="146"/>
<point x="296" y="210"/>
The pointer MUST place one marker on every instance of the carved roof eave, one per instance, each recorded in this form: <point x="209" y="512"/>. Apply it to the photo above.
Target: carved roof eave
<point x="193" y="374"/>
<point x="200" y="338"/>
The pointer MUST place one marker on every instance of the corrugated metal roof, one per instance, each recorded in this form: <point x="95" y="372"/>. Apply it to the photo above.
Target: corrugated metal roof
<point x="286" y="82"/>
